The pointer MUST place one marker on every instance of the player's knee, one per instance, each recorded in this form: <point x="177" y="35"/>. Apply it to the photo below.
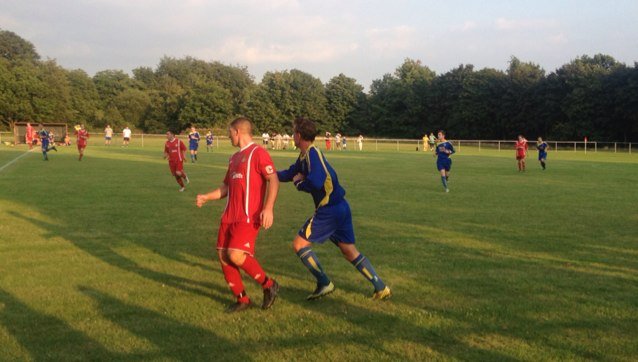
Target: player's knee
<point x="237" y="257"/>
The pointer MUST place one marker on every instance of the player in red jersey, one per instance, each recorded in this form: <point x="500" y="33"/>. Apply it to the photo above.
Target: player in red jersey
<point x="174" y="151"/>
<point x="521" y="152"/>
<point x="83" y="137"/>
<point x="28" y="136"/>
<point x="251" y="185"/>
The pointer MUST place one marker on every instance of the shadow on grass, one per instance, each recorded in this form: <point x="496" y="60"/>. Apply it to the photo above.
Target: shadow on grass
<point x="53" y="339"/>
<point x="110" y="256"/>
<point x="172" y="338"/>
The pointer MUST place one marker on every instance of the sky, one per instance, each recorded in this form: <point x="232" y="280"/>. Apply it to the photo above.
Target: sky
<point x="362" y="39"/>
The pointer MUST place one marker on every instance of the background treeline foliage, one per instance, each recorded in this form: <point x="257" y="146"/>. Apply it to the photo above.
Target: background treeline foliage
<point x="590" y="96"/>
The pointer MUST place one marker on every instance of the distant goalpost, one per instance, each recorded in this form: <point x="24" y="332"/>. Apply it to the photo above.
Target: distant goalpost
<point x="20" y="130"/>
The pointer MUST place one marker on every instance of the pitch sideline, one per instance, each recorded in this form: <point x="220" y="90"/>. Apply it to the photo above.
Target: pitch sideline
<point x="14" y="160"/>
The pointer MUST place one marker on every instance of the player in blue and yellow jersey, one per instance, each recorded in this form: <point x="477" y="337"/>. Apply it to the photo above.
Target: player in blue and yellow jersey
<point x="443" y="151"/>
<point x="332" y="219"/>
<point x="209" y="141"/>
<point x="44" y="140"/>
<point x="193" y="143"/>
<point x="542" y="148"/>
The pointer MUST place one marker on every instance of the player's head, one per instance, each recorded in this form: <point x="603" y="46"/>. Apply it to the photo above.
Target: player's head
<point x="304" y="129"/>
<point x="170" y="135"/>
<point x="240" y="128"/>
<point x="441" y="134"/>
<point x="192" y="128"/>
<point x="520" y="137"/>
<point x="540" y="139"/>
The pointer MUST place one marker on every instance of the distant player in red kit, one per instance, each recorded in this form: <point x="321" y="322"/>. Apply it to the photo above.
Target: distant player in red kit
<point x="174" y="151"/>
<point x="521" y="152"/>
<point x="83" y="137"/>
<point x="250" y="174"/>
<point x="28" y="137"/>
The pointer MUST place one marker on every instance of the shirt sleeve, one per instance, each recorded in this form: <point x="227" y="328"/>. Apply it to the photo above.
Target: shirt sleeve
<point x="316" y="176"/>
<point x="287" y="175"/>
<point x="265" y="166"/>
<point x="182" y="146"/>
<point x="451" y="148"/>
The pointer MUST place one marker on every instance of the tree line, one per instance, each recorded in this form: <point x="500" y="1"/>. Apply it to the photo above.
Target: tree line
<point x="593" y="96"/>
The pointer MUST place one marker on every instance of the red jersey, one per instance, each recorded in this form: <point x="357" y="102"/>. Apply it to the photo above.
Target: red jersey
<point x="521" y="147"/>
<point x="175" y="150"/>
<point x="83" y="136"/>
<point x="246" y="181"/>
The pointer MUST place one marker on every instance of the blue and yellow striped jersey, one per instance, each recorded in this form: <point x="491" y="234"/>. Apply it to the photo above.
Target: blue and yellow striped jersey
<point x="320" y="178"/>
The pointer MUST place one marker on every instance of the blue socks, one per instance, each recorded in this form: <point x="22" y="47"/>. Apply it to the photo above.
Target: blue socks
<point x="309" y="259"/>
<point x="364" y="266"/>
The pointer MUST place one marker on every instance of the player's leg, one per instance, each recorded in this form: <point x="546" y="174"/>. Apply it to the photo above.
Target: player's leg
<point x="241" y="254"/>
<point x="345" y="240"/>
<point x="234" y="282"/>
<point x="177" y="172"/>
<point x="303" y="249"/>
<point x="443" y="178"/>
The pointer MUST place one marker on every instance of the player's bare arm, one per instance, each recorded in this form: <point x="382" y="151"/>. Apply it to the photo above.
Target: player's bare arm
<point x="267" y="214"/>
<point x="217" y="194"/>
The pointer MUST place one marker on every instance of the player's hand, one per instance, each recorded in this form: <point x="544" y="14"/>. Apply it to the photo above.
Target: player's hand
<point x="201" y="200"/>
<point x="298" y="177"/>
<point x="267" y="217"/>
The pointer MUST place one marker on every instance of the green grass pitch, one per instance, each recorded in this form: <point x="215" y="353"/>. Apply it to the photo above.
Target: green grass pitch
<point x="104" y="260"/>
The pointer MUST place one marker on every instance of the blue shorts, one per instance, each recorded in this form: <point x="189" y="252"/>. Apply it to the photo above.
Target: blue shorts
<point x="444" y="163"/>
<point x="333" y="222"/>
<point x="45" y="144"/>
<point x="542" y="156"/>
<point x="193" y="146"/>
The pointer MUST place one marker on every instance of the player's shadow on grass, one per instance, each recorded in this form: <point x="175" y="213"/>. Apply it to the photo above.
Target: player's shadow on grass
<point x="105" y="253"/>
<point x="53" y="339"/>
<point x="170" y="337"/>
<point x="374" y="329"/>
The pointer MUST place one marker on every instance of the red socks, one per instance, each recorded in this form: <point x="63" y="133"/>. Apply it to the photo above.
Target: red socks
<point x="233" y="278"/>
<point x="251" y="267"/>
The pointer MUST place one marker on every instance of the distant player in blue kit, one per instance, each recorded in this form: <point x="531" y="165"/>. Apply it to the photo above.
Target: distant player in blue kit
<point x="443" y="151"/>
<point x="44" y="139"/>
<point x="193" y="143"/>
<point x="332" y="219"/>
<point x="542" y="148"/>
<point x="209" y="141"/>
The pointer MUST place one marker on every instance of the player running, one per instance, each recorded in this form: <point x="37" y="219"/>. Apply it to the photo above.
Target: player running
<point x="174" y="151"/>
<point x="521" y="152"/>
<point x="82" y="139"/>
<point x="443" y="151"/>
<point x="332" y="219"/>
<point x="28" y="136"/>
<point x="250" y="173"/>
<point x="209" y="141"/>
<point x="542" y="148"/>
<point x="193" y="143"/>
<point x="44" y="141"/>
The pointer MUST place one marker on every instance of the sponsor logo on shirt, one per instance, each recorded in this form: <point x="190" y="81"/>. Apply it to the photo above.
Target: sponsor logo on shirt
<point x="237" y="175"/>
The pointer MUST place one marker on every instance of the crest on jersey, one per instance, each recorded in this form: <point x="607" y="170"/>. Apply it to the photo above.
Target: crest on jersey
<point x="269" y="169"/>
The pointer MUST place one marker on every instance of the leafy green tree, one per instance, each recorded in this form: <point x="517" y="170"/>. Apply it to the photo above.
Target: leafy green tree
<point x="343" y="97"/>
<point x="85" y="101"/>
<point x="16" y="49"/>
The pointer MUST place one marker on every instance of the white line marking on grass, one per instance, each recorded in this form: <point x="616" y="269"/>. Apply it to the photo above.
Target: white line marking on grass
<point x="15" y="159"/>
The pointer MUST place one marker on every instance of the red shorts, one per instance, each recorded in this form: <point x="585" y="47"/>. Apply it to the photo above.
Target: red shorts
<point x="176" y="166"/>
<point x="238" y="236"/>
<point x="81" y="146"/>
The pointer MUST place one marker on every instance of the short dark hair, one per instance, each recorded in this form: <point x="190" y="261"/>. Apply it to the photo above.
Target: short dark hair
<point x="306" y="128"/>
<point x="242" y="122"/>
<point x="441" y="131"/>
